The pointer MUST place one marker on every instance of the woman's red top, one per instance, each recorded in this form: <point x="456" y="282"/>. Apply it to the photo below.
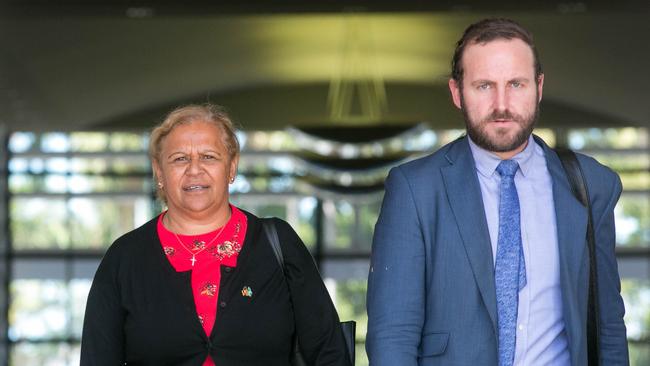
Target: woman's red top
<point x="203" y="255"/>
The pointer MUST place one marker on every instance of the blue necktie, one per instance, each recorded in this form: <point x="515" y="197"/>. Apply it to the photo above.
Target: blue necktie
<point x="510" y="269"/>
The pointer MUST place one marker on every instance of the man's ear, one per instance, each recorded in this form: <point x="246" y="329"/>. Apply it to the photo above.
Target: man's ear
<point x="540" y="87"/>
<point x="454" y="88"/>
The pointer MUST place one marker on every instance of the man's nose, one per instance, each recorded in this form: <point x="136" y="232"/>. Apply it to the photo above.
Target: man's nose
<point x="501" y="100"/>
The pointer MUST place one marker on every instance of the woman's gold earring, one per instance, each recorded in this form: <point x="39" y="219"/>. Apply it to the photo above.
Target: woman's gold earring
<point x="160" y="185"/>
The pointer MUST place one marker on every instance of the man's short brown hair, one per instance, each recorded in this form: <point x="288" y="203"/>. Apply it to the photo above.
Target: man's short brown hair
<point x="488" y="30"/>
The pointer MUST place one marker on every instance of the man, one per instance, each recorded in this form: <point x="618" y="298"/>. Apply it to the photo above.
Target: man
<point x="479" y="255"/>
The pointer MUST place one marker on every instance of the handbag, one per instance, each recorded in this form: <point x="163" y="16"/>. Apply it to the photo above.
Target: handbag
<point x="579" y="188"/>
<point x="348" y="327"/>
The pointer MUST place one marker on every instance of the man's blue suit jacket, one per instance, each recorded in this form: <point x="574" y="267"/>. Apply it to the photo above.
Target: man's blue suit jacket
<point x="431" y="292"/>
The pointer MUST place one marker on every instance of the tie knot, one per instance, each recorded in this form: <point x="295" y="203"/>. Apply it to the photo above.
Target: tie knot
<point x="507" y="168"/>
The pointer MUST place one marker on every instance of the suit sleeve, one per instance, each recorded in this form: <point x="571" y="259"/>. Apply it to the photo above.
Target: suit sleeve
<point x="396" y="289"/>
<point x="102" y="341"/>
<point x="320" y="336"/>
<point x="613" y="341"/>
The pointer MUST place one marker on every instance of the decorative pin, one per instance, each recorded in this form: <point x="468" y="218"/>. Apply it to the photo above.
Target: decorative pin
<point x="247" y="291"/>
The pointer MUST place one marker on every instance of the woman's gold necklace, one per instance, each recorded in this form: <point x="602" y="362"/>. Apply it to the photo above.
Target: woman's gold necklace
<point x="199" y="244"/>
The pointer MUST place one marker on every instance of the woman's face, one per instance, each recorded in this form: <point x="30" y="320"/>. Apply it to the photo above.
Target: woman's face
<point x="195" y="169"/>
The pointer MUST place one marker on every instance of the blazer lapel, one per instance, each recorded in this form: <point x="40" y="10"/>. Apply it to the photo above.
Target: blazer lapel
<point x="464" y="194"/>
<point x="571" y="220"/>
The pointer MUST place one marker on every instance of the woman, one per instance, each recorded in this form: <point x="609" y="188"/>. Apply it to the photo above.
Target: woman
<point x="199" y="284"/>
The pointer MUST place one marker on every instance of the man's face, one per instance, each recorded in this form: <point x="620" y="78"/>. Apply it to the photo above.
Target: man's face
<point x="499" y="97"/>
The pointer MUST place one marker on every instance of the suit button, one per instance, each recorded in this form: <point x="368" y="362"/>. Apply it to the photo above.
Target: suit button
<point x="227" y="269"/>
<point x="222" y="304"/>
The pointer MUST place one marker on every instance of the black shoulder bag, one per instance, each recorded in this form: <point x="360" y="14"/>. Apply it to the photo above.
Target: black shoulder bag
<point x="579" y="188"/>
<point x="348" y="327"/>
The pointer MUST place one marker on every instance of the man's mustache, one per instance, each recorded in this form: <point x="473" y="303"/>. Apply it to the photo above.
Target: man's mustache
<point x="495" y="115"/>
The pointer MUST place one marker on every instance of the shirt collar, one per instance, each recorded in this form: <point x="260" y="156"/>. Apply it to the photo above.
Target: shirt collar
<point x="487" y="161"/>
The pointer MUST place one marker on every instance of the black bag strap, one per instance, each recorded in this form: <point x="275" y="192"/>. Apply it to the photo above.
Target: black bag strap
<point x="348" y="327"/>
<point x="579" y="188"/>
<point x="272" y="235"/>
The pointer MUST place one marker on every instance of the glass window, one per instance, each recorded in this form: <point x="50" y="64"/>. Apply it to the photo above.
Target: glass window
<point x="21" y="142"/>
<point x="619" y="138"/>
<point x="298" y="211"/>
<point x="44" y="354"/>
<point x="346" y="281"/>
<point x="79" y="191"/>
<point x="633" y="220"/>
<point x="97" y="222"/>
<point x="78" y="292"/>
<point x="624" y="161"/>
<point x="635" y="180"/>
<point x="124" y="141"/>
<point x="350" y="224"/>
<point x="55" y="142"/>
<point x="39" y="223"/>
<point x="547" y="135"/>
<point x="636" y="295"/>
<point x="38" y="309"/>
<point x="88" y="141"/>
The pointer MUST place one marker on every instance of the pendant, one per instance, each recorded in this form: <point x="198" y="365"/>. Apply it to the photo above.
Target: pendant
<point x="193" y="260"/>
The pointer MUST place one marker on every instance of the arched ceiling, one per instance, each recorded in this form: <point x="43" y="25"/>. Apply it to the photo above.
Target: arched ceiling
<point x="64" y="69"/>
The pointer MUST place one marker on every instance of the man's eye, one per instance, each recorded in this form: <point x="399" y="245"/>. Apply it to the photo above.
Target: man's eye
<point x="516" y="84"/>
<point x="485" y="86"/>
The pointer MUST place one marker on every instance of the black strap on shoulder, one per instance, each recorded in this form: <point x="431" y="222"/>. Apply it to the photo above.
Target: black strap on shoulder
<point x="579" y="188"/>
<point x="348" y="328"/>
<point x="272" y="234"/>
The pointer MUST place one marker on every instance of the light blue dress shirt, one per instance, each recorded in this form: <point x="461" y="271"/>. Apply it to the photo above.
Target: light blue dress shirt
<point x="541" y="337"/>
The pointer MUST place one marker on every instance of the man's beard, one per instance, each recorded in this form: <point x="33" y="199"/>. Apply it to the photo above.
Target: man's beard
<point x="501" y="142"/>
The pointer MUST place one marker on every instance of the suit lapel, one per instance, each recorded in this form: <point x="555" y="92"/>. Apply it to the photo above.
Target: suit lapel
<point x="571" y="221"/>
<point x="464" y="194"/>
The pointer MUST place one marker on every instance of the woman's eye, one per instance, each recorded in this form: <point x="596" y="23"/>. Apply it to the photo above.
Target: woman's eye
<point x="181" y="158"/>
